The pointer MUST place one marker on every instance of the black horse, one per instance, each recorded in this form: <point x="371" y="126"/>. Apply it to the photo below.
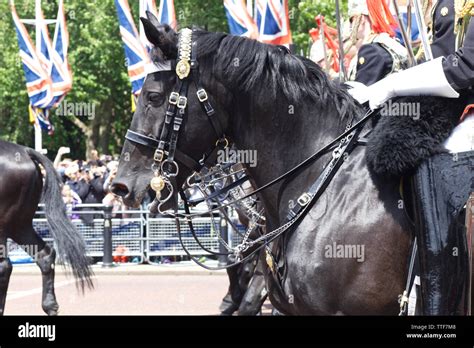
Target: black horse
<point x="24" y="176"/>
<point x="284" y="108"/>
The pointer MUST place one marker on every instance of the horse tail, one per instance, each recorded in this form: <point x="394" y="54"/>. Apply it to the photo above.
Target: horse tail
<point x="69" y="242"/>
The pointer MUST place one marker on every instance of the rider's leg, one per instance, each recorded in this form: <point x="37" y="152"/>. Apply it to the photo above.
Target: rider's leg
<point x="442" y="186"/>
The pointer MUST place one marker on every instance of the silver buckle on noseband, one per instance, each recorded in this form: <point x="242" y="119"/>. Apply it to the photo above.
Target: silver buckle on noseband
<point x="182" y="102"/>
<point x="174" y="97"/>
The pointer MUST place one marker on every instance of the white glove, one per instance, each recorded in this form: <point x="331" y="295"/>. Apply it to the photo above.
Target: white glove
<point x="424" y="79"/>
<point x="358" y="91"/>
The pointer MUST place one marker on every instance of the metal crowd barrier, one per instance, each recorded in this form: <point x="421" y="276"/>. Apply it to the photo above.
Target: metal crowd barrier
<point x="162" y="238"/>
<point x="96" y="222"/>
<point x="138" y="236"/>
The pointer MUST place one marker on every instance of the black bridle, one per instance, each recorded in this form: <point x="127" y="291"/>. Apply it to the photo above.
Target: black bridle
<point x="166" y="153"/>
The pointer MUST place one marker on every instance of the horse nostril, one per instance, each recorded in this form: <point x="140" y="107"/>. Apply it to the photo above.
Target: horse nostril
<point x="119" y="189"/>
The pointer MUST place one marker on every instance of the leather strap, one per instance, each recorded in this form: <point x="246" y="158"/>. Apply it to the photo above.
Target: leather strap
<point x="141" y="139"/>
<point x="221" y="191"/>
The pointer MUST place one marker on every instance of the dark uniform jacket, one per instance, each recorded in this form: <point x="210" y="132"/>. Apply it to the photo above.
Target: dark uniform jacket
<point x="459" y="65"/>
<point x="373" y="63"/>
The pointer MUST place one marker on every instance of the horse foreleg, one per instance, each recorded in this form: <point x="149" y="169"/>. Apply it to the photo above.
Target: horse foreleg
<point x="255" y="295"/>
<point x="5" y="272"/>
<point x="230" y="303"/>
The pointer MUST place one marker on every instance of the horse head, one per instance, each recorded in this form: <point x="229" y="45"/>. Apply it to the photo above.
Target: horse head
<point x="180" y="118"/>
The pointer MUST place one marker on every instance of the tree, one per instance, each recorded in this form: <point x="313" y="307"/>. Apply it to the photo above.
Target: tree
<point x="100" y="79"/>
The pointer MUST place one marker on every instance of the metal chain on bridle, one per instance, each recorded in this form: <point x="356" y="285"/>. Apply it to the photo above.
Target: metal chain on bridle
<point x="167" y="156"/>
<point x="221" y="183"/>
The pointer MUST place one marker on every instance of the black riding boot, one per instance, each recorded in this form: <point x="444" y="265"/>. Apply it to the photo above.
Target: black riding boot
<point x="442" y="186"/>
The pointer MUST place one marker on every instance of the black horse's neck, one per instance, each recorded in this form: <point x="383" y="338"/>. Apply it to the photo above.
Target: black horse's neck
<point x="282" y="108"/>
<point x="282" y="135"/>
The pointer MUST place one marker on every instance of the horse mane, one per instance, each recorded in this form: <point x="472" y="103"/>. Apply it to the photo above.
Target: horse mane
<point x="250" y="66"/>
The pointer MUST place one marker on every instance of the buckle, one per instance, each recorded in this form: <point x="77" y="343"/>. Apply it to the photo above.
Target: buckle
<point x="304" y="199"/>
<point x="158" y="156"/>
<point x="174" y="97"/>
<point x="182" y="102"/>
<point x="202" y="95"/>
<point x="223" y="141"/>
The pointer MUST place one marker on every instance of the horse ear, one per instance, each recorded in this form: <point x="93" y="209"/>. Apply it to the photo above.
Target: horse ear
<point x="162" y="36"/>
<point x="152" y="18"/>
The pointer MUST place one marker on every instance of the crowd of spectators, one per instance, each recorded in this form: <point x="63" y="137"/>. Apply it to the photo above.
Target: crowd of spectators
<point x="87" y="182"/>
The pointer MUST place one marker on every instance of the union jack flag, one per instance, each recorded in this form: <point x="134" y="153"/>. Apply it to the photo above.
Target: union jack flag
<point x="167" y="14"/>
<point x="240" y="21"/>
<point x="60" y="72"/>
<point x="38" y="82"/>
<point x="146" y="5"/>
<point x="273" y="21"/>
<point x="135" y="53"/>
<point x="47" y="72"/>
<point x="259" y="10"/>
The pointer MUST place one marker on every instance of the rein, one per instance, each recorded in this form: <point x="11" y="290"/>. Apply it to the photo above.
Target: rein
<point x="304" y="202"/>
<point x="303" y="165"/>
<point x="166" y="155"/>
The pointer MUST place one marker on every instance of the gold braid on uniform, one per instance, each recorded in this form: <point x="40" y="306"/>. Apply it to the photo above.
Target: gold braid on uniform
<point x="462" y="9"/>
<point x="428" y="12"/>
<point x="427" y="5"/>
<point x="354" y="31"/>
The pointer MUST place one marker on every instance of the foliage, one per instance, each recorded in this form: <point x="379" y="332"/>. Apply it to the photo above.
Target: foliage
<point x="99" y="67"/>
<point x="302" y="15"/>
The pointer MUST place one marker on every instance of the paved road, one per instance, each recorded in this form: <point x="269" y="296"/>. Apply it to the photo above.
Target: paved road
<point x="134" y="290"/>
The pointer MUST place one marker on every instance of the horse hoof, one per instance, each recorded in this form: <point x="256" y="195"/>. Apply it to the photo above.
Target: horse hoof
<point x="51" y="309"/>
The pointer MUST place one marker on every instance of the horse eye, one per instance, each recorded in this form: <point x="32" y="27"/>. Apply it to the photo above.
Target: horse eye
<point x="156" y="98"/>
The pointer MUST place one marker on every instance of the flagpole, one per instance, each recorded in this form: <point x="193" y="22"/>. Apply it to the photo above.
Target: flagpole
<point x="38" y="22"/>
<point x="141" y="11"/>
<point x="342" y="68"/>
<point x="250" y="7"/>
<point x="38" y="131"/>
<point x="323" y="39"/>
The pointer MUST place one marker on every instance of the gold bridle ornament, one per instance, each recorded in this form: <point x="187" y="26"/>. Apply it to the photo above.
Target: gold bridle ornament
<point x="183" y="68"/>
<point x="157" y="184"/>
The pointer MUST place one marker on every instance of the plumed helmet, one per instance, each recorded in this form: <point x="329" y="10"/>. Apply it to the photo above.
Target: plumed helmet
<point x="358" y="7"/>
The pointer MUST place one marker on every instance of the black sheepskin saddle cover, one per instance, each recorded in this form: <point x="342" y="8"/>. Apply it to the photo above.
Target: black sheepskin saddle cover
<point x="410" y="130"/>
